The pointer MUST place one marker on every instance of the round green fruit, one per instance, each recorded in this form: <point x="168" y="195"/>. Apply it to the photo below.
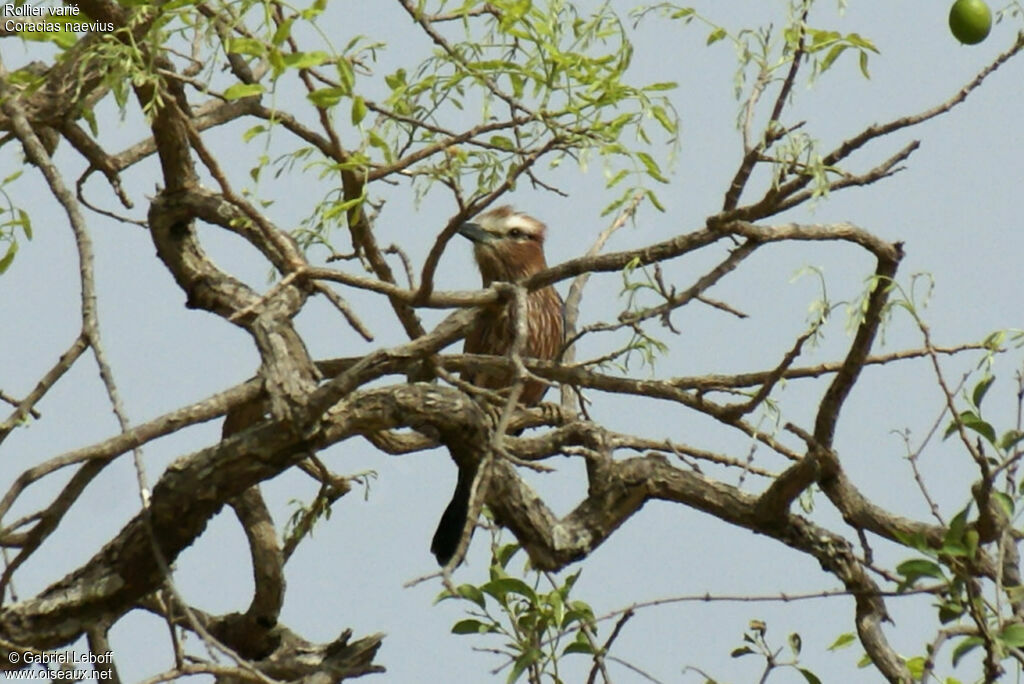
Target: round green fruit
<point x="970" y="21"/>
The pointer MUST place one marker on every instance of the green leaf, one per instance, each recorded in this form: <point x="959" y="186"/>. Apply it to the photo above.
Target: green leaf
<point x="862" y="42"/>
<point x="1011" y="439"/>
<point x="913" y="570"/>
<point x="569" y="583"/>
<point x="346" y="75"/>
<point x="253" y="132"/>
<point x="831" y="57"/>
<point x="920" y="567"/>
<point x="819" y="39"/>
<point x="972" y="421"/>
<point x="740" y="652"/>
<point x="950" y="611"/>
<point x="965" y="647"/>
<point x="284" y="29"/>
<point x="661" y="85"/>
<point x="305" y="60"/>
<point x="472" y="593"/>
<point x="556" y="606"/>
<point x="358" y="110"/>
<point x="469" y="626"/>
<point x="1004" y="501"/>
<point x="518" y="82"/>
<point x="26" y="77"/>
<point x="615" y="179"/>
<point x="915" y="541"/>
<point x="809" y="676"/>
<point x="957" y="526"/>
<point x="916" y="666"/>
<point x="378" y="142"/>
<point x="654" y="200"/>
<point x="1013" y="635"/>
<point x="502" y="142"/>
<point x="795" y="643"/>
<point x="5" y="262"/>
<point x="240" y="90"/>
<point x="325" y="98"/>
<point x="863" y="63"/>
<point x="25" y="222"/>
<point x="90" y="117"/>
<point x="842" y="641"/>
<point x="395" y="80"/>
<point x="343" y="207"/>
<point x="315" y="10"/>
<point x="579" y="611"/>
<point x="652" y="167"/>
<point x="971" y="539"/>
<point x="954" y="425"/>
<point x="980" y="390"/>
<point x="994" y="341"/>
<point x="276" y="60"/>
<point x="465" y="591"/>
<point x="500" y="588"/>
<point x="579" y="646"/>
<point x="524" y="661"/>
<point x="504" y="554"/>
<point x="662" y="117"/>
<point x="246" y="46"/>
<point x="716" y="35"/>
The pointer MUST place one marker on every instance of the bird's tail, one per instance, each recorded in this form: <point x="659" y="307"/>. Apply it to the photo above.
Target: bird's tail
<point x="449" y="529"/>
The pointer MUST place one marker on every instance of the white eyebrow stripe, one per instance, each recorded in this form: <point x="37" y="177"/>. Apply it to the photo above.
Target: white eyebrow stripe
<point x="523" y="223"/>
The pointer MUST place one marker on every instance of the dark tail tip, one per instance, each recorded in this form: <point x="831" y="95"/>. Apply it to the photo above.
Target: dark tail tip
<point x="453" y="521"/>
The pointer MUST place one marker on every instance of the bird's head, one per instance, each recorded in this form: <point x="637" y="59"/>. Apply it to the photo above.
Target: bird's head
<point x="508" y="245"/>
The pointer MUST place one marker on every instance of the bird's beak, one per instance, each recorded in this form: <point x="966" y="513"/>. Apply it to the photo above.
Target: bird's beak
<point x="474" y="232"/>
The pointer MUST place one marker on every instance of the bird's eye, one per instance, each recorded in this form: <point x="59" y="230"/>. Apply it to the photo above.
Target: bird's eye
<point x="516" y="233"/>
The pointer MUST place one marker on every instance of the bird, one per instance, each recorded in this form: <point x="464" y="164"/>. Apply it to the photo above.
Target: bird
<point x="508" y="246"/>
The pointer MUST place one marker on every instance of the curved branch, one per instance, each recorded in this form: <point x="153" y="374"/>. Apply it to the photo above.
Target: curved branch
<point x="195" y="487"/>
<point x="617" y="489"/>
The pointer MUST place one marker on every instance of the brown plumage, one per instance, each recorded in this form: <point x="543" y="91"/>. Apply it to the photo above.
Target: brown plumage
<point x="509" y="247"/>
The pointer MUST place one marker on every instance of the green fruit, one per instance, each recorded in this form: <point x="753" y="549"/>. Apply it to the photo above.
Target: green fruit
<point x="970" y="21"/>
